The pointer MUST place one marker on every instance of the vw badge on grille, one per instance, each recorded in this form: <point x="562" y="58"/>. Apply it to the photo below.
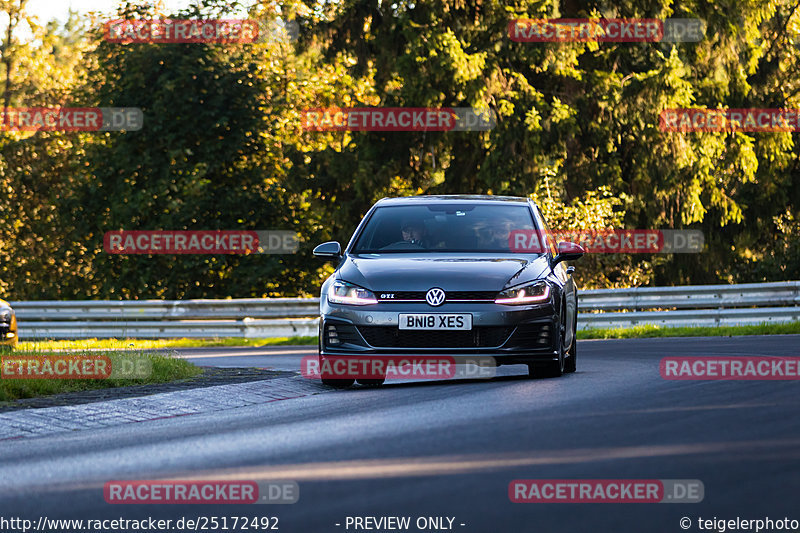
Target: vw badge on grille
<point x="435" y="296"/>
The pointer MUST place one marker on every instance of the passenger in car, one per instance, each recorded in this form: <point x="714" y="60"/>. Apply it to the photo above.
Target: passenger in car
<point x="496" y="235"/>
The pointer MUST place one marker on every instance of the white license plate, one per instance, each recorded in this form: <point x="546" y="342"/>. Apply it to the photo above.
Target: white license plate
<point x="435" y="321"/>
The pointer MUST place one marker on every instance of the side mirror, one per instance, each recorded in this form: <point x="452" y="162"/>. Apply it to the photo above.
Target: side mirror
<point x="567" y="251"/>
<point x="328" y="250"/>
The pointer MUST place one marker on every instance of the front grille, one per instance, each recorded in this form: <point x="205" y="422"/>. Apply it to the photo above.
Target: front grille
<point x="392" y="337"/>
<point x="532" y="336"/>
<point x="488" y="296"/>
<point x="471" y="295"/>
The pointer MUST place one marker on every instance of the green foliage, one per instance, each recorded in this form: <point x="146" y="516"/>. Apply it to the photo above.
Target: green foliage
<point x="223" y="147"/>
<point x="596" y="210"/>
<point x="589" y="113"/>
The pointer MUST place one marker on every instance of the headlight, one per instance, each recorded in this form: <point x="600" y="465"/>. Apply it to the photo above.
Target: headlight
<point x="524" y="294"/>
<point x="341" y="292"/>
<point x="5" y="314"/>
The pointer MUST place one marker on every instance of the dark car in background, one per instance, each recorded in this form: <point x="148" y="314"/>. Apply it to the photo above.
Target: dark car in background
<point x="8" y="326"/>
<point x="436" y="275"/>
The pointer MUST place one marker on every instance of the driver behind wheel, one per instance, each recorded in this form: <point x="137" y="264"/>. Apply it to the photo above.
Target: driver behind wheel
<point x="413" y="232"/>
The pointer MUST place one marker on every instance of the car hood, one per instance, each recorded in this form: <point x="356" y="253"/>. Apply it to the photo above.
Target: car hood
<point x="396" y="272"/>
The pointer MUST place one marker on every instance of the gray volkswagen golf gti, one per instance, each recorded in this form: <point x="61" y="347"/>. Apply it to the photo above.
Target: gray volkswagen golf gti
<point x="437" y="275"/>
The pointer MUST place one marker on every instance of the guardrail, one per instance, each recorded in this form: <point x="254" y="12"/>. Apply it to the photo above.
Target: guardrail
<point x="167" y="310"/>
<point x="701" y="305"/>
<point x="782" y="293"/>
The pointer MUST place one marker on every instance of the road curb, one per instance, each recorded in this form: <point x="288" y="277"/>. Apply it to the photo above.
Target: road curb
<point x="51" y="420"/>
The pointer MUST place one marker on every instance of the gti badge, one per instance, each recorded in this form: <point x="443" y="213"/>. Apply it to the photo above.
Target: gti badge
<point x="435" y="296"/>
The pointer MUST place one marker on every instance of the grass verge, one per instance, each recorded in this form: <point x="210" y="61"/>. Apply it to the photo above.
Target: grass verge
<point x="155" y="344"/>
<point x="160" y="369"/>
<point x="645" y="331"/>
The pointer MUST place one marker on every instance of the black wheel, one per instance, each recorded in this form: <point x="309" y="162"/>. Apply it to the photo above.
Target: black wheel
<point x="371" y="382"/>
<point x="338" y="383"/>
<point x="553" y="369"/>
<point x="572" y="354"/>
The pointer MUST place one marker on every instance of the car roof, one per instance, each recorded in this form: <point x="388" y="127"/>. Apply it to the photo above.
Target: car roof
<point x="451" y="198"/>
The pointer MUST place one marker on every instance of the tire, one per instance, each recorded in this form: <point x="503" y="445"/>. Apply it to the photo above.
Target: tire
<point x="335" y="383"/>
<point x="553" y="369"/>
<point x="371" y="382"/>
<point x="338" y="383"/>
<point x="571" y="363"/>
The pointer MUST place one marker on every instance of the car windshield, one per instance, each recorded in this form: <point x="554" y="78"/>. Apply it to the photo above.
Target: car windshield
<point x="443" y="227"/>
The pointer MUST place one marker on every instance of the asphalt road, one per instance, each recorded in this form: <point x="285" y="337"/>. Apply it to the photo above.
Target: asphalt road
<point x="450" y="449"/>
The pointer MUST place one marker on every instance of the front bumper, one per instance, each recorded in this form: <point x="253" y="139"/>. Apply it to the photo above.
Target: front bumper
<point x="509" y="334"/>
